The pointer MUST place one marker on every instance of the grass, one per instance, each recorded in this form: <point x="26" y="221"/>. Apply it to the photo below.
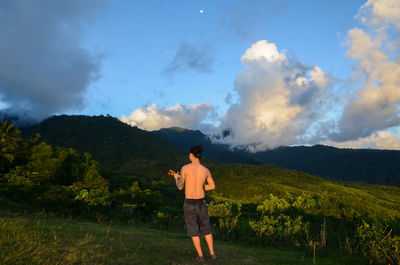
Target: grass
<point x="53" y="240"/>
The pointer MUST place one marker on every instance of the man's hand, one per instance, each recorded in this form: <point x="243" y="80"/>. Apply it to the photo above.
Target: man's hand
<point x="178" y="179"/>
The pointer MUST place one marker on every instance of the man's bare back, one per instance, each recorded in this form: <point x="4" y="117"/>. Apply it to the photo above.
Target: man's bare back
<point x="195" y="175"/>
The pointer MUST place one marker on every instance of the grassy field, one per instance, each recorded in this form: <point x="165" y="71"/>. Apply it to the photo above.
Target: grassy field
<point x="52" y="240"/>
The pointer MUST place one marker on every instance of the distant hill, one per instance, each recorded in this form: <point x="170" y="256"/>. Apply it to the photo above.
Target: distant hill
<point x="184" y="139"/>
<point x="353" y="165"/>
<point x="120" y="148"/>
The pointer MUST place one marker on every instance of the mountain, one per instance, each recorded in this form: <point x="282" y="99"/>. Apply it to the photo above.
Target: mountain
<point x="184" y="139"/>
<point x="351" y="165"/>
<point x="119" y="148"/>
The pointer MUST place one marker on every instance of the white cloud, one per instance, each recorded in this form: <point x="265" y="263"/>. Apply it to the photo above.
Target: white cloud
<point x="375" y="106"/>
<point x="378" y="12"/>
<point x="154" y="118"/>
<point x="278" y="98"/>
<point x="378" y="140"/>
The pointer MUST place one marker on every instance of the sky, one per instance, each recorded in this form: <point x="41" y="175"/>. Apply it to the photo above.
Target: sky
<point x="252" y="74"/>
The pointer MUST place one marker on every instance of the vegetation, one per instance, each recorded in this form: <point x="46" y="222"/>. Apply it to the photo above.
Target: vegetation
<point x="263" y="206"/>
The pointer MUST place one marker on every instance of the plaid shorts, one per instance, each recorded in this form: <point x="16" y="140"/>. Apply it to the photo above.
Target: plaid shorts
<point x="196" y="217"/>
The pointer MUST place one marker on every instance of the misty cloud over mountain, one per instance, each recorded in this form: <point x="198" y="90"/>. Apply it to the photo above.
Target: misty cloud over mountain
<point x="44" y="68"/>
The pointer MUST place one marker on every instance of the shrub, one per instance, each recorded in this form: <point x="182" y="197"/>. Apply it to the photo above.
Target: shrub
<point x="377" y="244"/>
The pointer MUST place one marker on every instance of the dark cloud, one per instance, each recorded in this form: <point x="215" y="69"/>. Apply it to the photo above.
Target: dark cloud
<point x="197" y="58"/>
<point x="363" y="119"/>
<point x="43" y="66"/>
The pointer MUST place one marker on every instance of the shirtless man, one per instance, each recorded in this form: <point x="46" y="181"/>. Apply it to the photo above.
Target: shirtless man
<point x="193" y="177"/>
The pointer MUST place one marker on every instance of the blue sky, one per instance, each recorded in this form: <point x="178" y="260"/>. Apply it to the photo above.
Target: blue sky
<point x="139" y="39"/>
<point x="270" y="72"/>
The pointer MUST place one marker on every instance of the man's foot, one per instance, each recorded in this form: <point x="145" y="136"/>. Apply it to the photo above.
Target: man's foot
<point x="199" y="259"/>
<point x="214" y="257"/>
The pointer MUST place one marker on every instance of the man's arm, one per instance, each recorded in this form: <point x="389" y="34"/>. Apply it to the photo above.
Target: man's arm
<point x="180" y="180"/>
<point x="210" y="183"/>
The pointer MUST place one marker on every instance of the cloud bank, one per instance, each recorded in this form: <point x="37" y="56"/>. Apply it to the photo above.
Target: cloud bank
<point x="44" y="68"/>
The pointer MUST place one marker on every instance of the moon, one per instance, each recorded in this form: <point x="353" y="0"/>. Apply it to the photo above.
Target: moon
<point x="201" y="11"/>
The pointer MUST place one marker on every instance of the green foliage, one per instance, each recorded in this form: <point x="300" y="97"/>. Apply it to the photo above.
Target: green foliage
<point x="276" y="223"/>
<point x="377" y="243"/>
<point x="93" y="189"/>
<point x="11" y="146"/>
<point x="226" y="215"/>
<point x="51" y="174"/>
<point x="20" y="176"/>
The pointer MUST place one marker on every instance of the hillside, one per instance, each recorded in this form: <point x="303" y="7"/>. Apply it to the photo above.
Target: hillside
<point x="370" y="166"/>
<point x="252" y="184"/>
<point x="119" y="148"/>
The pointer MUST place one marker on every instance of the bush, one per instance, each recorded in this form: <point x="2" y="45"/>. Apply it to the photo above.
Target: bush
<point x="377" y="244"/>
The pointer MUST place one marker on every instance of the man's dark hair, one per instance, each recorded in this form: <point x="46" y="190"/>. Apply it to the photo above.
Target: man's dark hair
<point x="197" y="150"/>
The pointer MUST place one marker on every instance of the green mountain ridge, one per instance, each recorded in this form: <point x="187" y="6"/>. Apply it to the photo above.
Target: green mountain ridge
<point x="370" y="166"/>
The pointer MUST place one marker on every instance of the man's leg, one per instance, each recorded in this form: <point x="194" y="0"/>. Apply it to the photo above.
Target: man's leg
<point x="210" y="243"/>
<point x="197" y="246"/>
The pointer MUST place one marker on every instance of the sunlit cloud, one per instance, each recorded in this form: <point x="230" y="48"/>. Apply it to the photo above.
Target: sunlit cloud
<point x="278" y="99"/>
<point x="154" y="118"/>
<point x="376" y="101"/>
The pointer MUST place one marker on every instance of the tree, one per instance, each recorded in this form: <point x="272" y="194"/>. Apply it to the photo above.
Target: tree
<point x="10" y="145"/>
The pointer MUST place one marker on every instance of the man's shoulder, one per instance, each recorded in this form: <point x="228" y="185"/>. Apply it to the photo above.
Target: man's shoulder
<point x="205" y="168"/>
<point x="185" y="166"/>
